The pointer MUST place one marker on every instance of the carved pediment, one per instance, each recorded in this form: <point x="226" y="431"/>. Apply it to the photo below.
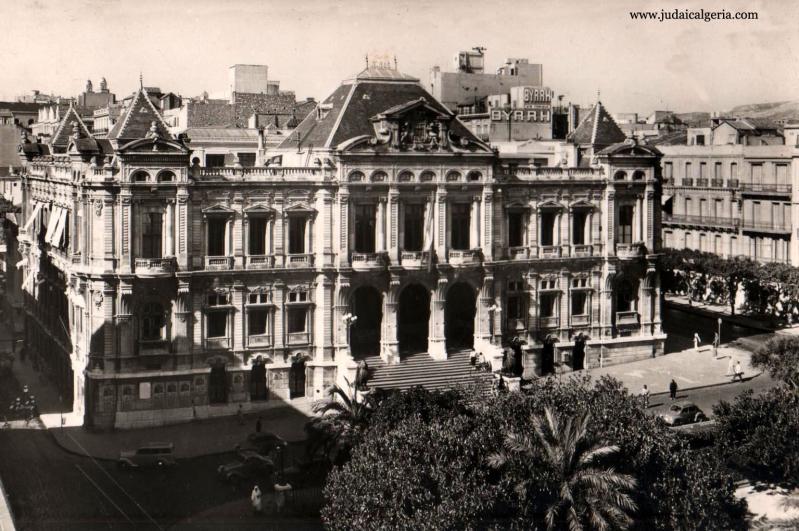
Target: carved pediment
<point x="154" y="144"/>
<point x="218" y="209"/>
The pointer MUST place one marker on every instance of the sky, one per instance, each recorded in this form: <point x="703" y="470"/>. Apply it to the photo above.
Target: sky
<point x="585" y="46"/>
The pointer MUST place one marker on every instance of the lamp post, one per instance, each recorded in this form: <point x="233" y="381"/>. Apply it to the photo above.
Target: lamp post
<point x="349" y="319"/>
<point x="491" y="310"/>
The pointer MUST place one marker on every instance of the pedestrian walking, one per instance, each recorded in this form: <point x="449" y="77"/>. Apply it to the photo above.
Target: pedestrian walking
<point x="739" y="372"/>
<point x="697" y="340"/>
<point x="730" y="367"/>
<point x="258" y="425"/>
<point x="257" y="500"/>
<point x="240" y="415"/>
<point x="645" y="396"/>
<point x="281" y="488"/>
<point x="673" y="389"/>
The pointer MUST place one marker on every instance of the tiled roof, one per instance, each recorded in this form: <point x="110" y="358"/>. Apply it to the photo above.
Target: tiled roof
<point x="347" y="112"/>
<point x="384" y="74"/>
<point x="64" y="131"/>
<point x="18" y="106"/>
<point x="222" y="133"/>
<point x="9" y="144"/>
<point x="598" y="128"/>
<point x="137" y="120"/>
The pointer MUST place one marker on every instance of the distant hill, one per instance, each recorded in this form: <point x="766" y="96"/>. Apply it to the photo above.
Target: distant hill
<point x="781" y="110"/>
<point x="693" y="118"/>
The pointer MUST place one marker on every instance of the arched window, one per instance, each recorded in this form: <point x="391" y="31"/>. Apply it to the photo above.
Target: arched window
<point x="166" y="177"/>
<point x="619" y="176"/>
<point x="625" y="297"/>
<point x="140" y="177"/>
<point x="474" y="175"/>
<point x="153" y="322"/>
<point x="639" y="175"/>
<point x="427" y="176"/>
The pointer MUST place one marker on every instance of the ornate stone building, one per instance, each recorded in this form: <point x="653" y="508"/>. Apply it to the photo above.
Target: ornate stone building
<point x="165" y="291"/>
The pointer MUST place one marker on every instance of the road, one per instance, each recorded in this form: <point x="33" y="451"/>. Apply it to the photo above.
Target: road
<point x="681" y="326"/>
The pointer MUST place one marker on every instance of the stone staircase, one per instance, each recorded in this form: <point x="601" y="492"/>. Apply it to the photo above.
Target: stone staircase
<point x="421" y="369"/>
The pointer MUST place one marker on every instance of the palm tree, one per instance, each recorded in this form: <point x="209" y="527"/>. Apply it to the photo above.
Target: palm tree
<point x="341" y="418"/>
<point x="583" y="493"/>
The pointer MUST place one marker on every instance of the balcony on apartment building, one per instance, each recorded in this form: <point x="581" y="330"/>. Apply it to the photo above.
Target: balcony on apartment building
<point x="218" y="263"/>
<point x="151" y="267"/>
<point x="701" y="221"/>
<point x="629" y="250"/>
<point x="765" y="226"/>
<point x="415" y="259"/>
<point x="298" y="261"/>
<point x="628" y="318"/>
<point x="765" y="189"/>
<point x="260" y="261"/>
<point x="363" y="261"/>
<point x="464" y="256"/>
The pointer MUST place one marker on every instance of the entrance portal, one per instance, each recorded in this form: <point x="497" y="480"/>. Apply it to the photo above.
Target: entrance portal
<point x="413" y="319"/>
<point x="258" y="390"/>
<point x="459" y="316"/>
<point x="548" y="358"/>
<point x="367" y="305"/>
<point x="578" y="354"/>
<point x="217" y="384"/>
<point x="297" y="379"/>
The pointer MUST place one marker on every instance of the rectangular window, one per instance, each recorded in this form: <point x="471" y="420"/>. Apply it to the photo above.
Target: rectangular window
<point x="296" y="235"/>
<point x="515" y="229"/>
<point x="700" y="140"/>
<point x="578" y="227"/>
<point x="702" y="170"/>
<point x="625" y="224"/>
<point x="516" y="309"/>
<point x="688" y="170"/>
<point x="733" y="170"/>
<point x="297" y="319"/>
<point x="781" y="173"/>
<point x="548" y="303"/>
<point x="460" y="217"/>
<point x="702" y="207"/>
<point x="668" y="171"/>
<point x="413" y="237"/>
<point x="257" y="228"/>
<point x="668" y="239"/>
<point x="718" y="208"/>
<point x="217" y="324"/>
<point x="258" y="298"/>
<point x="757" y="173"/>
<point x="214" y="161"/>
<point x="151" y="235"/>
<point x="247" y="159"/>
<point x="717" y="170"/>
<point x="217" y="228"/>
<point x="365" y="228"/>
<point x="257" y="321"/>
<point x="579" y="299"/>
<point x="717" y="245"/>
<point x="688" y="206"/>
<point x="548" y="228"/>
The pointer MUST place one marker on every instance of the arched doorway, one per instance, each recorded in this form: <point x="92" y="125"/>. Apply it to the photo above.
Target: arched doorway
<point x="217" y="384"/>
<point x="548" y="357"/>
<point x="459" y="316"/>
<point x="297" y="378"/>
<point x="367" y="305"/>
<point x="413" y="319"/>
<point x="578" y="353"/>
<point x="258" y="389"/>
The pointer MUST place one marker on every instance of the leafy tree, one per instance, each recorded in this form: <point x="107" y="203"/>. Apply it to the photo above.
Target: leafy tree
<point x="757" y="434"/>
<point x="780" y="357"/>
<point x="419" y="475"/>
<point x="584" y="493"/>
<point x="341" y="420"/>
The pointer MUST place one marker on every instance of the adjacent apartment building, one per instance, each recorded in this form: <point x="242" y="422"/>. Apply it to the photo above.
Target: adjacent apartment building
<point x="159" y="290"/>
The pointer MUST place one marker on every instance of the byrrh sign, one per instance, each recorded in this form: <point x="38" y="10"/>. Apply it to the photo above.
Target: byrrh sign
<point x="538" y="114"/>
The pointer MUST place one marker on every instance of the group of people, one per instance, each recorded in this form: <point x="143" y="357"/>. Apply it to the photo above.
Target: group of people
<point x="281" y="488"/>
<point x="734" y="367"/>
<point x="24" y="406"/>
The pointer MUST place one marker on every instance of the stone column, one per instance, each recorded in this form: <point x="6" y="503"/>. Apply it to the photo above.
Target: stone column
<point x="440" y="223"/>
<point x="436" y="343"/>
<point x="344" y="230"/>
<point x="393" y="226"/>
<point x="237" y="326"/>
<point x="564" y="303"/>
<point x="474" y="224"/>
<point x="270" y="222"/>
<point x="180" y="324"/>
<point x="308" y="239"/>
<point x="279" y="234"/>
<point x="389" y="343"/>
<point x="340" y="309"/>
<point x="279" y="294"/>
<point x="429" y="229"/>
<point x="483" y="325"/>
<point x="380" y="237"/>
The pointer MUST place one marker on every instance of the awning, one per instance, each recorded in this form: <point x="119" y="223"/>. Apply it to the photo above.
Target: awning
<point x="58" y="233"/>
<point x="33" y="215"/>
<point x="55" y="216"/>
<point x="665" y="199"/>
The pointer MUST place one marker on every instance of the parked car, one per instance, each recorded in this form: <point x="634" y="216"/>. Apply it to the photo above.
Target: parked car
<point x="150" y="455"/>
<point x="682" y="413"/>
<point x="263" y="442"/>
<point x="250" y="466"/>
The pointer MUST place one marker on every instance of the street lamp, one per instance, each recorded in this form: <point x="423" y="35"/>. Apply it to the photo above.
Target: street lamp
<point x="349" y="319"/>
<point x="491" y="309"/>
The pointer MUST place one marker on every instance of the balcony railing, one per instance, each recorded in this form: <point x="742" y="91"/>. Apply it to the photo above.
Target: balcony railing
<point x="626" y="318"/>
<point x="628" y="250"/>
<point x="278" y="173"/>
<point x="717" y="183"/>
<point x="368" y="260"/>
<point x="554" y="174"/>
<point x="702" y="181"/>
<point x="259" y="341"/>
<point x="518" y="253"/>
<point x="688" y="181"/>
<point x="767" y="226"/>
<point x="766" y="187"/>
<point x="733" y="183"/>
<point x="581" y="320"/>
<point x="300" y="260"/>
<point x="583" y="250"/>
<point x="715" y="221"/>
<point x="467" y="256"/>
<point x="550" y="251"/>
<point x="548" y="322"/>
<point x="262" y="261"/>
<point x="414" y="258"/>
<point x="153" y="266"/>
<point x="218" y="263"/>
<point x="217" y="342"/>
<point x="298" y="338"/>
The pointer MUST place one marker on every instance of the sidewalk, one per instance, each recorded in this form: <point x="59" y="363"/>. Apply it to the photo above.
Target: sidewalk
<point x="193" y="439"/>
<point x="723" y="310"/>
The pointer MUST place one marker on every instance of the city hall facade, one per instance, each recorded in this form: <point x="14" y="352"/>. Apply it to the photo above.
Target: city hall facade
<point x="166" y="291"/>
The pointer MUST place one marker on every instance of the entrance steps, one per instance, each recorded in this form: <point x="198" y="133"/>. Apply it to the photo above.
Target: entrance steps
<point x="434" y="375"/>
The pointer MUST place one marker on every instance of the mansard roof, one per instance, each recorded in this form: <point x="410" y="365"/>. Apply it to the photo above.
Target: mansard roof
<point x="348" y="112"/>
<point x="598" y="128"/>
<point x="66" y="129"/>
<point x="138" y="119"/>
